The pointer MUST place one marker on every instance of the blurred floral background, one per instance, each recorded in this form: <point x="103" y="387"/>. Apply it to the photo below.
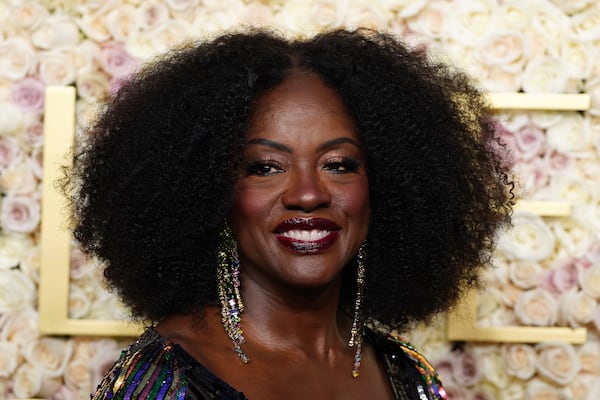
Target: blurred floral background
<point x="548" y="271"/>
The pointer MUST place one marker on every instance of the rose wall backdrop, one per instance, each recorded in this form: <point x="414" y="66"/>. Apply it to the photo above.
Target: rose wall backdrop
<point x="548" y="270"/>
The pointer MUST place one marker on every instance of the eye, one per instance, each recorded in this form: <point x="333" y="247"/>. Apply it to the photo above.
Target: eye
<point x="263" y="168"/>
<point x="342" y="165"/>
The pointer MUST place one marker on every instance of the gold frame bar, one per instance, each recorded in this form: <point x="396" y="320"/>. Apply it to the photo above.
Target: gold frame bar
<point x="549" y="101"/>
<point x="59" y="134"/>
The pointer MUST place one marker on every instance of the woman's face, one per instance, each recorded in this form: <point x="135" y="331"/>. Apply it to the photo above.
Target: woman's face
<point x="302" y="199"/>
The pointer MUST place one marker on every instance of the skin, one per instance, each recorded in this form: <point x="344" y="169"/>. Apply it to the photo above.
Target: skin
<point x="303" y="159"/>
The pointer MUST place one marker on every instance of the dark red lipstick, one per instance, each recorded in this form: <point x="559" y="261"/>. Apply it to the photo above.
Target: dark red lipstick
<point x="307" y="235"/>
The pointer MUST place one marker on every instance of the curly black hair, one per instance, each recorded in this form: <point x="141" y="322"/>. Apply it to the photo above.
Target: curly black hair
<point x="153" y="183"/>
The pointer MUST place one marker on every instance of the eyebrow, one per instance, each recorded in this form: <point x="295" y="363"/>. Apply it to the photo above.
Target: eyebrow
<point x="322" y="147"/>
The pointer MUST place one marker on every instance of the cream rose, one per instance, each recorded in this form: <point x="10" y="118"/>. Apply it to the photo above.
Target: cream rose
<point x="540" y="390"/>
<point x="151" y="15"/>
<point x="545" y="74"/>
<point x="525" y="275"/>
<point x="56" y="68"/>
<point x="29" y="15"/>
<point x="577" y="308"/>
<point x="431" y="20"/>
<point x="169" y="34"/>
<point x="583" y="387"/>
<point x="11" y="251"/>
<point x="507" y="49"/>
<point x="18" y="58"/>
<point x="536" y="307"/>
<point x="530" y="239"/>
<point x="122" y="21"/>
<point x="592" y="88"/>
<point x="516" y="15"/>
<point x="258" y="14"/>
<point x="585" y="25"/>
<point x="93" y="25"/>
<point x="56" y="32"/>
<point x="571" y="6"/>
<point x="514" y="391"/>
<point x="589" y="357"/>
<point x="589" y="280"/>
<point x="579" y="56"/>
<point x="16" y="290"/>
<point x="107" y="352"/>
<point x="35" y="162"/>
<point x="92" y="86"/>
<point x="572" y="237"/>
<point x="570" y="135"/>
<point x="20" y="214"/>
<point x="27" y="381"/>
<point x="570" y="187"/>
<point x="78" y="376"/>
<point x="20" y="326"/>
<point x="365" y="13"/>
<point x="471" y="20"/>
<point x="48" y="354"/>
<point x="520" y="360"/>
<point x="8" y="358"/>
<point x="19" y="180"/>
<point x="79" y="302"/>
<point x="12" y="121"/>
<point x="494" y="370"/>
<point x="557" y="362"/>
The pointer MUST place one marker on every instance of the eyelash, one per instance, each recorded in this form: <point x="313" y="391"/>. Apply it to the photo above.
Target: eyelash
<point x="336" y="165"/>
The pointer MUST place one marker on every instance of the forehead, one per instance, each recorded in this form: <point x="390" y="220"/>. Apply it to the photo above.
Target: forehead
<point x="302" y="102"/>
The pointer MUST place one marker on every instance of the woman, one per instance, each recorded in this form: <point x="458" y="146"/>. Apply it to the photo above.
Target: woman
<point x="272" y="208"/>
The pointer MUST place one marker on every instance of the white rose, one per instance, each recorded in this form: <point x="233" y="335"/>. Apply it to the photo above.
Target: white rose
<point x="92" y="86"/>
<point x="545" y="119"/>
<point x="577" y="308"/>
<point x="516" y="15"/>
<point x="169" y="34"/>
<point x="365" y="13"/>
<point x="550" y="22"/>
<point x="79" y="302"/>
<point x="519" y="360"/>
<point x="84" y="56"/>
<point x="585" y="25"/>
<point x="514" y="391"/>
<point x="431" y="21"/>
<point x="258" y="14"/>
<point x="78" y="376"/>
<point x="570" y="188"/>
<point x="21" y="325"/>
<point x="12" y="120"/>
<point x="18" y="179"/>
<point x="557" y="362"/>
<point x="57" y="32"/>
<point x="107" y="352"/>
<point x="151" y="15"/>
<point x="589" y="280"/>
<point x="589" y="357"/>
<point x="31" y="261"/>
<point x="540" y="390"/>
<point x="471" y="20"/>
<point x="525" y="274"/>
<point x="32" y="136"/>
<point x="572" y="6"/>
<point x="494" y="370"/>
<point x="49" y="354"/>
<point x="529" y="239"/>
<point x="18" y="58"/>
<point x="36" y="163"/>
<point x="16" y="290"/>
<point x="546" y="75"/>
<point x="507" y="49"/>
<point x="182" y="5"/>
<point x="140" y="45"/>
<point x="536" y="307"/>
<point x="579" y="56"/>
<point x="28" y="16"/>
<point x="570" y="135"/>
<point x="592" y="88"/>
<point x="8" y="358"/>
<point x="122" y="22"/>
<point x="583" y="387"/>
<point x="92" y="24"/>
<point x="11" y="251"/>
<point x="571" y="236"/>
<point x="56" y="68"/>
<point x="27" y="381"/>
<point x="20" y="214"/>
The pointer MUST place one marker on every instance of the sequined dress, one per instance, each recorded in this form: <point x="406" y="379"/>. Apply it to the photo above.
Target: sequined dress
<point x="157" y="369"/>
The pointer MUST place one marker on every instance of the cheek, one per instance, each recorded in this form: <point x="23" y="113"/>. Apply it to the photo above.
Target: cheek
<point x="248" y="208"/>
<point x="355" y="202"/>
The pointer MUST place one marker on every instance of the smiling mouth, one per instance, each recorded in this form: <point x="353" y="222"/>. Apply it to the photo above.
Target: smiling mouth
<point x="307" y="235"/>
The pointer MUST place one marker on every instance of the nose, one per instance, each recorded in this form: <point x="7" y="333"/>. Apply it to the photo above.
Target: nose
<point x="306" y="191"/>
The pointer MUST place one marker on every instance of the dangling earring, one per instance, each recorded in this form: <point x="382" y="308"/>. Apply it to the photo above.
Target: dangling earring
<point x="228" y="283"/>
<point x="357" y="325"/>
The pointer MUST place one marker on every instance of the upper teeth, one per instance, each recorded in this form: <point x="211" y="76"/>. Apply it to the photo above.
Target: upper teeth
<point x="306" y="236"/>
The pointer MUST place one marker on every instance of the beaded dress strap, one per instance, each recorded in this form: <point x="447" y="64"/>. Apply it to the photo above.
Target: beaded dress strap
<point x="428" y="374"/>
<point x="147" y="370"/>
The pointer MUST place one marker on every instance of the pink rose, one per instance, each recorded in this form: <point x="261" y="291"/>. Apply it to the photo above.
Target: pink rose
<point x="64" y="393"/>
<point x="530" y="141"/>
<point x="562" y="277"/>
<point x="28" y="94"/>
<point x="558" y="161"/>
<point x="10" y="152"/>
<point x="20" y="214"/>
<point x="467" y="371"/>
<point x="116" y="61"/>
<point x="533" y="173"/>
